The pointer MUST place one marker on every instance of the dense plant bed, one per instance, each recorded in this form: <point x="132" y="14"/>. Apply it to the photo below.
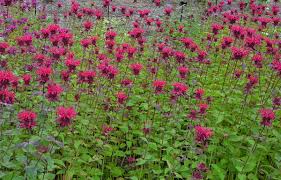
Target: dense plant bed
<point x="87" y="94"/>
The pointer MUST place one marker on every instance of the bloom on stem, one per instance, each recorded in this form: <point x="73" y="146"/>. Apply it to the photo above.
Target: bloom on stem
<point x="159" y="86"/>
<point x="53" y="92"/>
<point x="203" y="134"/>
<point x="179" y="89"/>
<point x="183" y="71"/>
<point x="136" y="68"/>
<point x="44" y="74"/>
<point x="121" y="97"/>
<point x="267" y="116"/>
<point x="199" y="94"/>
<point x="65" y="115"/>
<point x="27" y="119"/>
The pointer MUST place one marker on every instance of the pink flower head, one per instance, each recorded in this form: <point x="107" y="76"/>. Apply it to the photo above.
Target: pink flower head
<point x="183" y="71"/>
<point x="253" y="41"/>
<point x="72" y="64"/>
<point x="202" y="167"/>
<point x="201" y="55"/>
<point x="136" y="68"/>
<point x="53" y="92"/>
<point x="27" y="119"/>
<point x="106" y="3"/>
<point x="131" y="160"/>
<point x="168" y="10"/>
<point x="6" y="78"/>
<point x="25" y="40"/>
<point x="199" y="94"/>
<point x="65" y="115"/>
<point x="87" y="76"/>
<point x="202" y="108"/>
<point x="7" y="97"/>
<point x="202" y="134"/>
<point x="65" y="75"/>
<point x="237" y="31"/>
<point x="252" y="81"/>
<point x="94" y="40"/>
<point x="110" y="35"/>
<point x="126" y="82"/>
<point x="267" y="116"/>
<point x="159" y="86"/>
<point x="179" y="89"/>
<point x="131" y="51"/>
<point x="157" y="2"/>
<point x="192" y="114"/>
<point x="257" y="60"/>
<point x="121" y="97"/>
<point x="216" y="28"/>
<point x="3" y="47"/>
<point x="86" y="42"/>
<point x="44" y="74"/>
<point x="106" y="130"/>
<point x="26" y="79"/>
<point x="238" y="53"/>
<point x="275" y="9"/>
<point x="180" y="56"/>
<point x="136" y="33"/>
<point x="226" y="42"/>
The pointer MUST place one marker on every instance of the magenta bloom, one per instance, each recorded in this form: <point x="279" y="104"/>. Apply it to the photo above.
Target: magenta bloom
<point x="26" y="79"/>
<point x="106" y="130"/>
<point x="226" y="42"/>
<point x="126" y="82"/>
<point x="65" y="115"/>
<point x="168" y="10"/>
<point x="238" y="53"/>
<point x="44" y="74"/>
<point x="72" y="64"/>
<point x="257" y="60"/>
<point x="121" y="97"/>
<point x="192" y="114"/>
<point x="87" y="76"/>
<point x="3" y="47"/>
<point x="199" y="94"/>
<point x="53" y="92"/>
<point x="6" y="78"/>
<point x="216" y="27"/>
<point x="7" y="96"/>
<point x="183" y="71"/>
<point x="25" y="40"/>
<point x="203" y="108"/>
<point x="27" y="119"/>
<point x="267" y="116"/>
<point x="136" y="68"/>
<point x="180" y="56"/>
<point x="159" y="86"/>
<point x="203" y="134"/>
<point x="179" y="89"/>
<point x="87" y="25"/>
<point x="86" y="42"/>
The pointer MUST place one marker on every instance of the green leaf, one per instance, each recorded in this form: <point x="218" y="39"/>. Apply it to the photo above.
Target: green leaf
<point x="152" y="146"/>
<point x="251" y="164"/>
<point x="116" y="171"/>
<point x="141" y="162"/>
<point x="218" y="172"/>
<point x="77" y="144"/>
<point x="242" y="177"/>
